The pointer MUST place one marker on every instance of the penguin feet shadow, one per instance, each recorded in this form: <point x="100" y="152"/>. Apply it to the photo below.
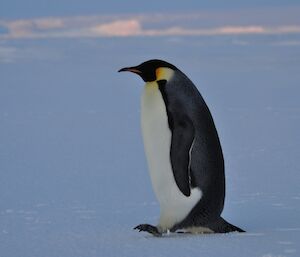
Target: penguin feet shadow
<point x="219" y="226"/>
<point x="149" y="228"/>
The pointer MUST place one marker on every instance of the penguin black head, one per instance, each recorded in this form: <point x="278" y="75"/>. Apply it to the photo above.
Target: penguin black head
<point x="149" y="70"/>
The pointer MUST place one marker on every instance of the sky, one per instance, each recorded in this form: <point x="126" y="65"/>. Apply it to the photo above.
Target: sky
<point x="42" y="19"/>
<point x="37" y="8"/>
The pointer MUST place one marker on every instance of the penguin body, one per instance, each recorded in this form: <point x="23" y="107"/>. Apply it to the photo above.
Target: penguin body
<point x="183" y="152"/>
<point x="157" y="141"/>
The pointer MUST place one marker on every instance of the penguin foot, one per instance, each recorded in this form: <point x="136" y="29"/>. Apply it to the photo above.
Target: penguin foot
<point x="149" y="228"/>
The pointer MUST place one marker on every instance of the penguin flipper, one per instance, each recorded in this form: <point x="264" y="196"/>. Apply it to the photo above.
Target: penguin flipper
<point x="182" y="140"/>
<point x="222" y="226"/>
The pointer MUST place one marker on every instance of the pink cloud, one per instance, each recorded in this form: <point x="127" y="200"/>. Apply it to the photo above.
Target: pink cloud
<point x="29" y="28"/>
<point x="120" y="28"/>
<point x="49" y="23"/>
<point x="227" y="30"/>
<point x="289" y="29"/>
<point x="128" y="26"/>
<point x="232" y="30"/>
<point x="19" y="28"/>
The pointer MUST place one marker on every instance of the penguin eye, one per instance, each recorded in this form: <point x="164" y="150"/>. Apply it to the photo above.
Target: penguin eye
<point x="162" y="82"/>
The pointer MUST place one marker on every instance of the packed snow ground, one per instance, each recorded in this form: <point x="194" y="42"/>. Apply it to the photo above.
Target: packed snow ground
<point x="73" y="176"/>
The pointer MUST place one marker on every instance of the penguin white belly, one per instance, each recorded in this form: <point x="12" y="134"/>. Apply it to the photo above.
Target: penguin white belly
<point x="175" y="206"/>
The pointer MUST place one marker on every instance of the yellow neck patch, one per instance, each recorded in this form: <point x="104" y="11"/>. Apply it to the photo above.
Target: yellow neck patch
<point x="164" y="73"/>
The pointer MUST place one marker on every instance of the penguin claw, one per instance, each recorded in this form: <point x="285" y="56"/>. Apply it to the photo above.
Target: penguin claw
<point x="148" y="228"/>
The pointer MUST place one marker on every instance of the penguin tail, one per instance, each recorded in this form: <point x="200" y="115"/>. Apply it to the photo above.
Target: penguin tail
<point x="222" y="226"/>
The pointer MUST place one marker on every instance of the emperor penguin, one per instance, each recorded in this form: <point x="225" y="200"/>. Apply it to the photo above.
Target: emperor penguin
<point x="183" y="152"/>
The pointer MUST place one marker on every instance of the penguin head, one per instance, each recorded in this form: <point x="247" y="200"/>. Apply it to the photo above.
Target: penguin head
<point x="152" y="70"/>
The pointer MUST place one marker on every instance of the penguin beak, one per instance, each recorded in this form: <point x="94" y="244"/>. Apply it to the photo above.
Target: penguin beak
<point x="131" y="69"/>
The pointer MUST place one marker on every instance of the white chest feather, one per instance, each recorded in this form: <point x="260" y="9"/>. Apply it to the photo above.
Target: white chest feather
<point x="175" y="206"/>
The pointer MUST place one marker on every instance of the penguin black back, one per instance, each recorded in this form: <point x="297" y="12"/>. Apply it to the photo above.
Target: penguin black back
<point x="186" y="108"/>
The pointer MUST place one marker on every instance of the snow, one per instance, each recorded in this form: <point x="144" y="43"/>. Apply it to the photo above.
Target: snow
<point x="73" y="175"/>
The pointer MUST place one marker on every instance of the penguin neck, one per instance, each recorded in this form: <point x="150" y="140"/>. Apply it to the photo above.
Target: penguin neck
<point x="164" y="73"/>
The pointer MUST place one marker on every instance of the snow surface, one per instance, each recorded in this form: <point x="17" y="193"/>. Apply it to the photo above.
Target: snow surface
<point x="73" y="176"/>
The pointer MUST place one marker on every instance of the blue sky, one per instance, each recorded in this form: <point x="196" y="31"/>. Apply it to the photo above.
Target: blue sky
<point x="35" y="19"/>
<point x="199" y="22"/>
<point x="14" y="9"/>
